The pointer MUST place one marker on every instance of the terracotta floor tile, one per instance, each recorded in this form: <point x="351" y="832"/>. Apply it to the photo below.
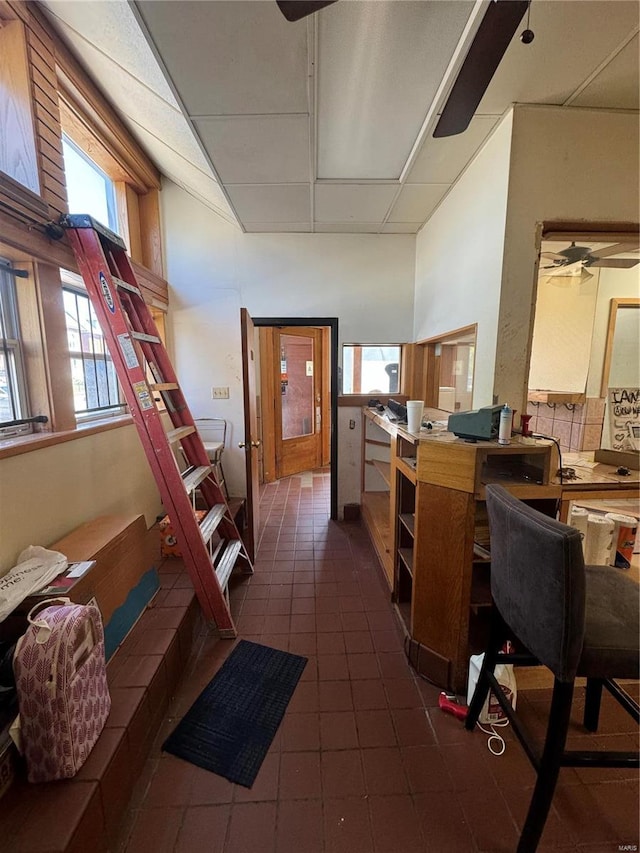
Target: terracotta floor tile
<point x="368" y="694"/>
<point x="395" y="825"/>
<point x="347" y="828"/>
<point x="300" y="732"/>
<point x="331" y="643"/>
<point x="265" y="786"/>
<point x="305" y="696"/>
<point x="426" y="769"/>
<point x="155" y="830"/>
<point x="332" y="667"/>
<point x="375" y="728"/>
<point x="299" y="775"/>
<point x="402" y="693"/>
<point x="300" y="827"/>
<point x="203" y="828"/>
<point x="489" y="818"/>
<point x="252" y="828"/>
<point x="338" y="730"/>
<point x="443" y="823"/>
<point x="354" y="621"/>
<point x="384" y="772"/>
<point x="412" y="726"/>
<point x="335" y="696"/>
<point x="342" y="774"/>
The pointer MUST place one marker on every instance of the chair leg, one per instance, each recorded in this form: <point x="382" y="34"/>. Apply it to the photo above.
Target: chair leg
<point x="496" y="639"/>
<point x="592" y="699"/>
<point x="549" y="768"/>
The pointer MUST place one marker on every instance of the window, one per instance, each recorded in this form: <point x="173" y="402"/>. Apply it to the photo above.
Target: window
<point x="13" y="396"/>
<point x="371" y="368"/>
<point x="96" y="392"/>
<point x="89" y="189"/>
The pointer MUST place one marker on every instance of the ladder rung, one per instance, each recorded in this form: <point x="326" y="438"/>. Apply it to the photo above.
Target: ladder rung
<point x="175" y="435"/>
<point x="211" y="521"/>
<point x="227" y="562"/>
<point x="164" y="386"/>
<point x="124" y="285"/>
<point x="140" y="336"/>
<point x="193" y="479"/>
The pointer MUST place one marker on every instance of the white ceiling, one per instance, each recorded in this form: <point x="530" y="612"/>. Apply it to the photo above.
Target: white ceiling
<point x="326" y="124"/>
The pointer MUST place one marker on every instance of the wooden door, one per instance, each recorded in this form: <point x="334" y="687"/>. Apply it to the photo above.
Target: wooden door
<point x="298" y="419"/>
<point x="251" y="441"/>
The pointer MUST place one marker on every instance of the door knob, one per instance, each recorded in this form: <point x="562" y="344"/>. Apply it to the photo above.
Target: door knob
<point x="241" y="444"/>
<point x="252" y="444"/>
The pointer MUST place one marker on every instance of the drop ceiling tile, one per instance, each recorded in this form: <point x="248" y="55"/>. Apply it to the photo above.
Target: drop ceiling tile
<point x="258" y="149"/>
<point x="200" y="182"/>
<point x="616" y="86"/>
<point x="347" y="227"/>
<point x="379" y="66"/>
<point x="571" y="40"/>
<point x="231" y="58"/>
<point x="417" y="202"/>
<point x="440" y="161"/>
<point x="268" y="228"/>
<point x="271" y="203"/>
<point x="401" y="228"/>
<point x="112" y="29"/>
<point x="353" y="202"/>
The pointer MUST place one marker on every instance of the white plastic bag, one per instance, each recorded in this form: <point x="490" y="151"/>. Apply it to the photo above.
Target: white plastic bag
<point x="506" y="678"/>
<point x="36" y="566"/>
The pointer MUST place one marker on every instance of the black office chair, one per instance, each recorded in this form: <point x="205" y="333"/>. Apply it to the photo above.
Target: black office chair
<point x="574" y="620"/>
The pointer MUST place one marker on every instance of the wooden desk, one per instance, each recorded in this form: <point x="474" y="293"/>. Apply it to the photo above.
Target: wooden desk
<point x="598" y="484"/>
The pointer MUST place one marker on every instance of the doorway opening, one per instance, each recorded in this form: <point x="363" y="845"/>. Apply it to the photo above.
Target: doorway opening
<point x="298" y="397"/>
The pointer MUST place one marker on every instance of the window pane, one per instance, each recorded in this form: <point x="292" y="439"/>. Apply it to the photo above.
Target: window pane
<point x="297" y="391"/>
<point x="89" y="189"/>
<point x="95" y="384"/>
<point x="13" y="396"/>
<point x="371" y="369"/>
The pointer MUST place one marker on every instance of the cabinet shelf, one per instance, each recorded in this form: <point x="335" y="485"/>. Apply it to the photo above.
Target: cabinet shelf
<point x="408" y="519"/>
<point x="384" y="468"/>
<point x="406" y="555"/>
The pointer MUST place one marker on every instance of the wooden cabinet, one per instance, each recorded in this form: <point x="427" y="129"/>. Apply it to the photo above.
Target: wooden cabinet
<point x="436" y="551"/>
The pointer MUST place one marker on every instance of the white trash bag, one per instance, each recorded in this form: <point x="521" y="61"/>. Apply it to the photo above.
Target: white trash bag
<point x="35" y="568"/>
<point x="506" y="678"/>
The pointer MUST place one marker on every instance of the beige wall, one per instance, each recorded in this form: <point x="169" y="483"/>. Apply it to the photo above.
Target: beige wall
<point x="46" y="493"/>
<point x="566" y="164"/>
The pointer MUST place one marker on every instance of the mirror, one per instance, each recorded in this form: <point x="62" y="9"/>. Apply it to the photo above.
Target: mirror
<point x="621" y="377"/>
<point x="574" y="336"/>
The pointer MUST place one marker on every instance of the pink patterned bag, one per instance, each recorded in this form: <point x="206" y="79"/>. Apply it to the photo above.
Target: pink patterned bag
<point x="60" y="670"/>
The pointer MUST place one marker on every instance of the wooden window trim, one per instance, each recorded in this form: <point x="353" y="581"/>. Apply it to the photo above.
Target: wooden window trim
<point x="40" y="440"/>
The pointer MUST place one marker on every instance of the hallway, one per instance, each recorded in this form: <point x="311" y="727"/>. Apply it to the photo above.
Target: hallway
<point x="364" y="761"/>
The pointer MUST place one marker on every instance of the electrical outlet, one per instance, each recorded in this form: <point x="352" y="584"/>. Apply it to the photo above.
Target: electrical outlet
<point x="220" y="393"/>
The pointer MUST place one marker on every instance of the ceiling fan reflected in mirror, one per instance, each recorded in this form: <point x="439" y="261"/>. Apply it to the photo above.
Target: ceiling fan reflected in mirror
<point x="499" y="24"/>
<point x="576" y="260"/>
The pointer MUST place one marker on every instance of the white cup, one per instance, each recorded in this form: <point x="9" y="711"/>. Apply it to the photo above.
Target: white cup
<point x="415" y="409"/>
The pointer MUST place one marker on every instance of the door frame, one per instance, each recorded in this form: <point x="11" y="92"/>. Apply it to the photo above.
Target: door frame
<point x="332" y="323"/>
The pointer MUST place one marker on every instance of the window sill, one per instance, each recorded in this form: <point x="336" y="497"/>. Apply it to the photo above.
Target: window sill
<point x="37" y="441"/>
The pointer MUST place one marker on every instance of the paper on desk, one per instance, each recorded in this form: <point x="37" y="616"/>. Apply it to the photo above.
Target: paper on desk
<point x="577" y="461"/>
<point x="80" y="568"/>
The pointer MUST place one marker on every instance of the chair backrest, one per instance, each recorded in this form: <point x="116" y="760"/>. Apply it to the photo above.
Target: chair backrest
<point x="212" y="429"/>
<point x="538" y="580"/>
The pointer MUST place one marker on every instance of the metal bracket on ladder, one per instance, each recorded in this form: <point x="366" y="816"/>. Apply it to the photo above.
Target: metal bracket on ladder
<point x="210" y="550"/>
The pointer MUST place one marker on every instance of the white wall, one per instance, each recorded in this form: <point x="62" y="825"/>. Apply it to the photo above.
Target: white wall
<point x="459" y="258"/>
<point x="366" y="281"/>
<point x="569" y="165"/>
<point x="45" y="494"/>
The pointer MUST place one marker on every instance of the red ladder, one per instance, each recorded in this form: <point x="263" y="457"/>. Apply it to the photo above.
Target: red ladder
<point x="209" y="549"/>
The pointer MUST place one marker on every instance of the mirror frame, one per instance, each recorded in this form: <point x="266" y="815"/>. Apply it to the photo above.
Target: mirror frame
<point x="629" y="302"/>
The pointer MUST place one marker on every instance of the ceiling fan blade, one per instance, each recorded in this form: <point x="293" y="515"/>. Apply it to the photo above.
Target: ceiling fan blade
<point x="616" y="263"/>
<point x="616" y="249"/>
<point x="552" y="256"/>
<point x="572" y="270"/>
<point x="295" y="10"/>
<point x="494" y="35"/>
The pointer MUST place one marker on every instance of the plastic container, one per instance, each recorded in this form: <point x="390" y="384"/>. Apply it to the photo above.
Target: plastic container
<point x="504" y="431"/>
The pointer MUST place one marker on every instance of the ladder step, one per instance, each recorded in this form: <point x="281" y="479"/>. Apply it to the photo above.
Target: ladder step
<point x="211" y="521"/>
<point x="175" y="435"/>
<point x="140" y="336"/>
<point x="164" y="386"/>
<point x="227" y="562"/>
<point x="124" y="285"/>
<point x="193" y="478"/>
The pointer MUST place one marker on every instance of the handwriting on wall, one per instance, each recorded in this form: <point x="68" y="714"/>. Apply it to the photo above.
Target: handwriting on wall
<point x="624" y="418"/>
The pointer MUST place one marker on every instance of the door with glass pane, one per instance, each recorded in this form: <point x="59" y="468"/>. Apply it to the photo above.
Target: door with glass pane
<point x="298" y="409"/>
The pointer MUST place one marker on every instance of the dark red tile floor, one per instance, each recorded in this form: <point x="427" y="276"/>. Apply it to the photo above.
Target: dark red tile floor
<point x="364" y="761"/>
